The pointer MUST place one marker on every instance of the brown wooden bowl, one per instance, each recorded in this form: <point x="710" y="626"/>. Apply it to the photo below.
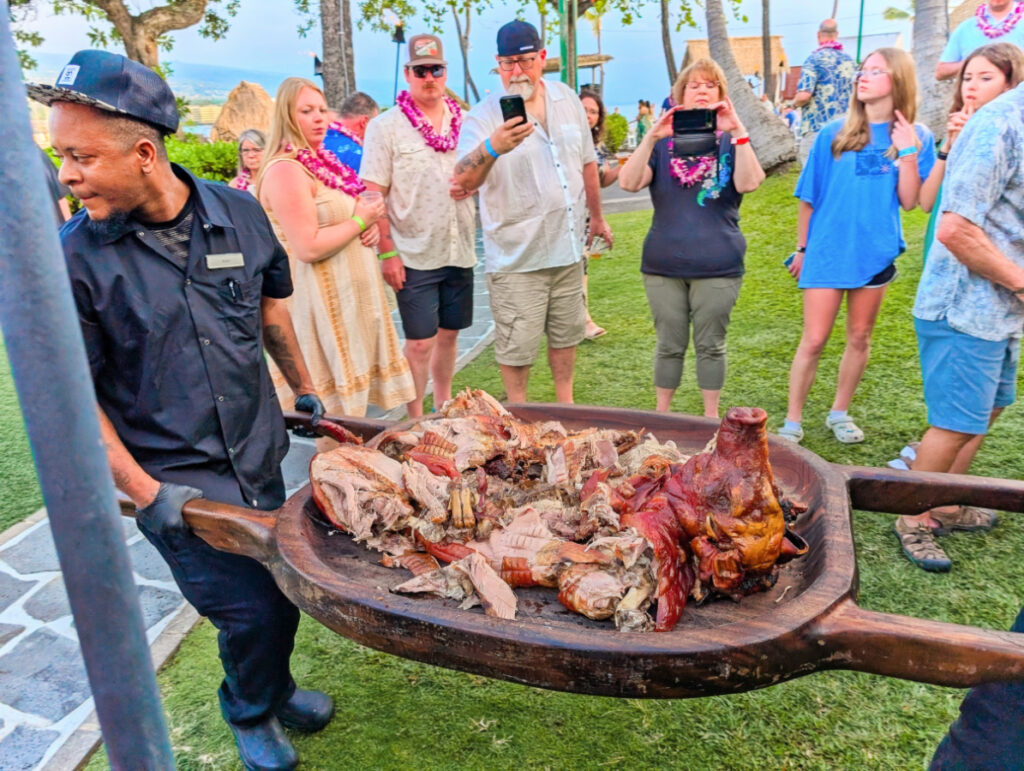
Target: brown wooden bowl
<point x="808" y="622"/>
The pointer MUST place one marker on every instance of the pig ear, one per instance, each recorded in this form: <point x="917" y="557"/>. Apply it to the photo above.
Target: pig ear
<point x="793" y="545"/>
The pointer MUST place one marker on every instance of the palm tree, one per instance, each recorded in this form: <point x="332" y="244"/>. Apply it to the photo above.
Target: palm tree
<point x="768" y="67"/>
<point x="666" y="43"/>
<point x="770" y="136"/>
<point x="339" y="71"/>
<point x="463" y="33"/>
<point x="593" y="15"/>
<point x="931" y="30"/>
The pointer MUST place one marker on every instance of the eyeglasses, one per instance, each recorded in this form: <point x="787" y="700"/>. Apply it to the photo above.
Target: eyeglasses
<point x="421" y="70"/>
<point x="875" y="73"/>
<point x="525" y="63"/>
<point x="252" y="151"/>
<point x="693" y="85"/>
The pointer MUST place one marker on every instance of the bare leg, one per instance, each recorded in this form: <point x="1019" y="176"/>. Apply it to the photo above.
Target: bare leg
<point x="663" y="397"/>
<point x="938" y="451"/>
<point x="710" y="402"/>
<point x="562" y="362"/>
<point x="965" y="457"/>
<point x="592" y="327"/>
<point x="820" y="309"/>
<point x="442" y="364"/>
<point x="862" y="306"/>
<point x="515" y="380"/>
<point x="418" y="352"/>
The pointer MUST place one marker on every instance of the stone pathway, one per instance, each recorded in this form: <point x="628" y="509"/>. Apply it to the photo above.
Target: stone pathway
<point x="46" y="711"/>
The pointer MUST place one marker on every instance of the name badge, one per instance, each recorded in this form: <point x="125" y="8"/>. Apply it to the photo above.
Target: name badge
<point x="226" y="260"/>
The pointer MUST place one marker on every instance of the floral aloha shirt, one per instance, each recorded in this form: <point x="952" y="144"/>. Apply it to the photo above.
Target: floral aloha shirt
<point x="828" y="75"/>
<point x="984" y="184"/>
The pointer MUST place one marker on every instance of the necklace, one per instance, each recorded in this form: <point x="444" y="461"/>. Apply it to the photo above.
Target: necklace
<point x="688" y="172"/>
<point x="244" y="180"/>
<point x="832" y="44"/>
<point x="337" y="126"/>
<point x="419" y="121"/>
<point x="328" y="169"/>
<point x="998" y="30"/>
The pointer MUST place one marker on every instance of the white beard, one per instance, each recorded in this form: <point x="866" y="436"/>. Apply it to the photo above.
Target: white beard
<point x="523" y="88"/>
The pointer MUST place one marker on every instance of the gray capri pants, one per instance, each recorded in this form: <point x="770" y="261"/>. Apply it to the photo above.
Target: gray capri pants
<point x="675" y="302"/>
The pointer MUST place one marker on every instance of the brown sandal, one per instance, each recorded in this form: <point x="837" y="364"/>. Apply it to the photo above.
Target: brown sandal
<point x="967" y="518"/>
<point x="918" y="542"/>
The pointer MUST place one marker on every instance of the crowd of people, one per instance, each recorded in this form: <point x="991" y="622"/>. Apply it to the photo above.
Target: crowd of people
<point x="181" y="284"/>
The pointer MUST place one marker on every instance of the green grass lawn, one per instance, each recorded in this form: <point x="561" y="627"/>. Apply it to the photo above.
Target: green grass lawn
<point x="19" y="490"/>
<point x="394" y="714"/>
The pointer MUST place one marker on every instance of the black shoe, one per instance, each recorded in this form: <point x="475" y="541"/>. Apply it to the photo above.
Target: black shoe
<point x="264" y="746"/>
<point x="307" y="711"/>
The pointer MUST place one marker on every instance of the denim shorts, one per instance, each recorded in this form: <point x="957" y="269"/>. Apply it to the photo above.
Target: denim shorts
<point x="965" y="377"/>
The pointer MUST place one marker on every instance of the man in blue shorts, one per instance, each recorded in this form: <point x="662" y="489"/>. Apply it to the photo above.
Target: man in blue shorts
<point x="969" y="313"/>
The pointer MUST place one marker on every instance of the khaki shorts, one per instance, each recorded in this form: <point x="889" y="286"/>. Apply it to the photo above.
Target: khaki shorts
<point x="528" y="305"/>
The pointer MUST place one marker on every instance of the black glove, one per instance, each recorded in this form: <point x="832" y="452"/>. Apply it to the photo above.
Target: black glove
<point x="163" y="515"/>
<point x="309" y="403"/>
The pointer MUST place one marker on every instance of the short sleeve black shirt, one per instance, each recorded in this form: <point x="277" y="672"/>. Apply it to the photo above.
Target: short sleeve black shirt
<point x="176" y="352"/>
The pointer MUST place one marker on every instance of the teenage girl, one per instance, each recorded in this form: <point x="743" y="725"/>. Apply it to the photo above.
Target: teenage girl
<point x="860" y="171"/>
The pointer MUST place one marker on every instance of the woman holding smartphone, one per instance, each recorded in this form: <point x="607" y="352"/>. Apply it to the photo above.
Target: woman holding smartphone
<point x="859" y="173"/>
<point x="327" y="225"/>
<point x="692" y="261"/>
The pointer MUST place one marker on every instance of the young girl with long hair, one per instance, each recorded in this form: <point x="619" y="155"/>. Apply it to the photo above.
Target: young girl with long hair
<point x="860" y="171"/>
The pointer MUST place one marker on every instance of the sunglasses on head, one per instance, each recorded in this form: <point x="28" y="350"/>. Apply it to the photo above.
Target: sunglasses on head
<point x="421" y="70"/>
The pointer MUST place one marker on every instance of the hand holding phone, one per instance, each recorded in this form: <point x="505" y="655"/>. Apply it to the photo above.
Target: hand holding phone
<point x="793" y="265"/>
<point x="512" y="106"/>
<point x="516" y="126"/>
<point x="693" y="133"/>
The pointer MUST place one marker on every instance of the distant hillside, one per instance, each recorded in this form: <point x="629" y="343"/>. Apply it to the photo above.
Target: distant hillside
<point x="208" y="82"/>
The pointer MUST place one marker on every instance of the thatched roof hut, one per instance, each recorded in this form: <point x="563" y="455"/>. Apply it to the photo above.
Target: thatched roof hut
<point x="963" y="12"/>
<point x="747" y="50"/>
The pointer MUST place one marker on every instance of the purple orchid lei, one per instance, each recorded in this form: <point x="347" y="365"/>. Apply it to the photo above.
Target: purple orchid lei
<point x="419" y="121"/>
<point x="998" y="30"/>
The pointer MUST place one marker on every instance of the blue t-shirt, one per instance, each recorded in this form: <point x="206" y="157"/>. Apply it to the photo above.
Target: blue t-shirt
<point x="968" y="36"/>
<point x="855" y="230"/>
<point x="345" y="149"/>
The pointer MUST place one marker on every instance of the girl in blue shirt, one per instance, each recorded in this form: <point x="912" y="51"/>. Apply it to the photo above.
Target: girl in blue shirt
<point x="860" y="171"/>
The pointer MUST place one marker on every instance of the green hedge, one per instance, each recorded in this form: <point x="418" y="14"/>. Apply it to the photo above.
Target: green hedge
<point x="211" y="160"/>
<point x="616" y="127"/>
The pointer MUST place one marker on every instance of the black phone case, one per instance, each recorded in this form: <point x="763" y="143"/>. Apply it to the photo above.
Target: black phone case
<point x="512" y="107"/>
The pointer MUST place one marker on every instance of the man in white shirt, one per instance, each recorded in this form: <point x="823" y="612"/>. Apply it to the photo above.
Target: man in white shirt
<point x="537" y="180"/>
<point x="426" y="242"/>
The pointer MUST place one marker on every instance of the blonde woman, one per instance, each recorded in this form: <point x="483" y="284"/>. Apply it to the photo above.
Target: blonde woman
<point x="251" y="144"/>
<point x="339" y="308"/>
<point x="692" y="260"/>
<point x="859" y="173"/>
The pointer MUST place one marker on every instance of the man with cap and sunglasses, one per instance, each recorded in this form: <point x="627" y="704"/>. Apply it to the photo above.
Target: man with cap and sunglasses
<point x="537" y="180"/>
<point x="179" y="285"/>
<point x="426" y="242"/>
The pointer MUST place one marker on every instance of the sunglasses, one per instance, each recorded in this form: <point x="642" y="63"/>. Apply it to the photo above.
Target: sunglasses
<point x="421" y="70"/>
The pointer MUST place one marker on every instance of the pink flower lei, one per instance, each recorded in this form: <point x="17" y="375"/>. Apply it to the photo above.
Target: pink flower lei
<point x="438" y="143"/>
<point x="337" y="126"/>
<point x="325" y="166"/>
<point x="244" y="179"/>
<point x="689" y="171"/>
<point x="998" y="30"/>
<point x="832" y="44"/>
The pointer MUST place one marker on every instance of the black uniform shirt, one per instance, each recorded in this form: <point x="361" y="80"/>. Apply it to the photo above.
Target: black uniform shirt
<point x="176" y="353"/>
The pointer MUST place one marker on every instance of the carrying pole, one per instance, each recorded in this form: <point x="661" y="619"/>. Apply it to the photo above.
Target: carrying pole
<point x="47" y="358"/>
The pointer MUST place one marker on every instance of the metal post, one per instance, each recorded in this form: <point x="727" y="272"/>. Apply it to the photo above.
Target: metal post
<point x="47" y="357"/>
<point x="563" y="38"/>
<point x="860" y="30"/>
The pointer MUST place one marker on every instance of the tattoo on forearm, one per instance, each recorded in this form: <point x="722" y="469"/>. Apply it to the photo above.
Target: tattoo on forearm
<point x="277" y="346"/>
<point x="474" y="160"/>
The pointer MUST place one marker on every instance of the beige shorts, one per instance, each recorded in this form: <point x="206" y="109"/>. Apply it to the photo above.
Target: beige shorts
<point x="528" y="305"/>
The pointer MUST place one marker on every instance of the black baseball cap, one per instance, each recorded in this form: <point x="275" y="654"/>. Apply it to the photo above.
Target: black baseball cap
<point x="518" y="37"/>
<point x="113" y="83"/>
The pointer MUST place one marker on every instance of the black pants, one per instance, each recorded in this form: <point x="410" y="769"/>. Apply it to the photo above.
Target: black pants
<point x="989" y="734"/>
<point x="256" y="622"/>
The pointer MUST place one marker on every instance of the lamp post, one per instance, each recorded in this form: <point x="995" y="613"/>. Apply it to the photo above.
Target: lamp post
<point x="397" y="37"/>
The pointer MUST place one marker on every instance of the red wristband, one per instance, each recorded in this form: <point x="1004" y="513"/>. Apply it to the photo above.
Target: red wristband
<point x="741" y="140"/>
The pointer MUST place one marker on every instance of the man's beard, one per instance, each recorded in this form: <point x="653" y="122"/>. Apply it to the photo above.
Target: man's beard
<point x="115" y="223"/>
<point x="523" y="88"/>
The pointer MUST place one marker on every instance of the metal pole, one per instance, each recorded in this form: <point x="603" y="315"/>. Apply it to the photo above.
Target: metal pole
<point x="47" y="358"/>
<point x="563" y="38"/>
<point x="398" y="55"/>
<point x="860" y="30"/>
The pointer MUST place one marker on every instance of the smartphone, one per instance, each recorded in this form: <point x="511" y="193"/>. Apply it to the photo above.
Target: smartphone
<point x="512" y="106"/>
<point x="789" y="260"/>
<point x="693" y="133"/>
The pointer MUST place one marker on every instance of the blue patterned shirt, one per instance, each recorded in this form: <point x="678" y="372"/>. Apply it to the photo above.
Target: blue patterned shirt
<point x="828" y="75"/>
<point x="984" y="184"/>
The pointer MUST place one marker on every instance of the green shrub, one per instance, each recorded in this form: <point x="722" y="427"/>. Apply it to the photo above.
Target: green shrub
<point x="210" y="160"/>
<point x="616" y="127"/>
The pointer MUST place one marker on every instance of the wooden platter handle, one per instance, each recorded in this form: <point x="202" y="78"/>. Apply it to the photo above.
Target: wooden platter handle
<point x="234" y="529"/>
<point x="918" y="649"/>
<point x="365" y="428"/>
<point x="911" y="492"/>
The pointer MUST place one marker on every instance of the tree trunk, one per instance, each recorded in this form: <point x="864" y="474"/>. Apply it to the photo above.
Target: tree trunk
<point x="666" y="44"/>
<point x="348" y="51"/>
<point x="331" y="56"/>
<point x="769" y="135"/>
<point x="931" y="30"/>
<point x="467" y="79"/>
<point x="140" y="33"/>
<point x="767" y="65"/>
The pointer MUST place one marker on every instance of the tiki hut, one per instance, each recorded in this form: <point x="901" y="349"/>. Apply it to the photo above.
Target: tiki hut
<point x="749" y="56"/>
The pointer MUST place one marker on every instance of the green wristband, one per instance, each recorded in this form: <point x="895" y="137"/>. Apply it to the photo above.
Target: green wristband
<point x="387" y="255"/>
<point x="360" y="222"/>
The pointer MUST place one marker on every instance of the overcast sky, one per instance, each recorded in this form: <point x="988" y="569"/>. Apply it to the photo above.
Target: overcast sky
<point x="263" y="36"/>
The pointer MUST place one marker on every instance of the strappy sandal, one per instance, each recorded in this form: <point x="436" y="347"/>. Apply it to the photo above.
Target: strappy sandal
<point x="795" y="435"/>
<point x="918" y="543"/>
<point x="970" y="519"/>
<point x="845" y="430"/>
